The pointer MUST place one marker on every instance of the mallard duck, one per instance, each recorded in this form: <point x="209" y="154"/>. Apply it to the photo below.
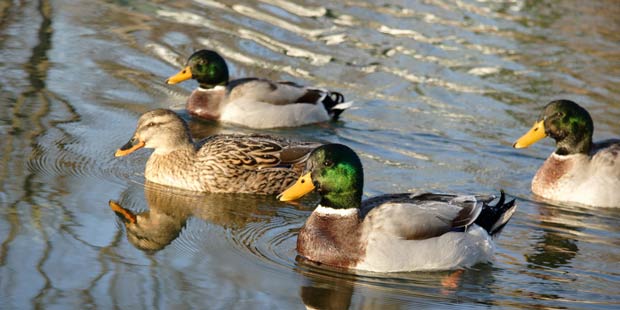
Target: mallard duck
<point x="221" y="164"/>
<point x="579" y="170"/>
<point x="392" y="232"/>
<point x="253" y="102"/>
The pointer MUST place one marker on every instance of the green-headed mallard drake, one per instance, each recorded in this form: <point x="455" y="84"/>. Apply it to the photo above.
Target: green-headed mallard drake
<point x="392" y="232"/>
<point x="578" y="170"/>
<point x="221" y="164"/>
<point x="253" y="102"/>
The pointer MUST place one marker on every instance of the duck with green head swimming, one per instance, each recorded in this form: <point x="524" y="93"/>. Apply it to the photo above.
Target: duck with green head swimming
<point x="253" y="102"/>
<point x="579" y="170"/>
<point x="392" y="232"/>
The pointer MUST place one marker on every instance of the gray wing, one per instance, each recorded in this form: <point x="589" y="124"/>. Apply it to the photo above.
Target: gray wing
<point x="421" y="216"/>
<point x="276" y="93"/>
<point x="605" y="167"/>
<point x="606" y="154"/>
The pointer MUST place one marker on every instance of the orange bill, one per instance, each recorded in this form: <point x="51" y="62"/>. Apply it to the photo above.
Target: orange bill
<point x="303" y="186"/>
<point x="183" y="75"/>
<point x="129" y="147"/>
<point x="536" y="133"/>
<point x="125" y="214"/>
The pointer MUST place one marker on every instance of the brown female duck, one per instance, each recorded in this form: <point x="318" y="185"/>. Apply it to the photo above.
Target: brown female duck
<point x="221" y="164"/>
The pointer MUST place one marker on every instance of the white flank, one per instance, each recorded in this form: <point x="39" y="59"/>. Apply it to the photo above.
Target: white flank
<point x="386" y="253"/>
<point x="265" y="115"/>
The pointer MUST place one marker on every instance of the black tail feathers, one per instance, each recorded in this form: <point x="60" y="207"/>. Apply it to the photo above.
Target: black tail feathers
<point x="494" y="218"/>
<point x="331" y="102"/>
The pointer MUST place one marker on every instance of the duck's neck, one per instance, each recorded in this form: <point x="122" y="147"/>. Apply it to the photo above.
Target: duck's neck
<point x="329" y="211"/>
<point x="211" y="85"/>
<point x="574" y="144"/>
<point x="342" y="200"/>
<point x="175" y="168"/>
<point x="573" y="136"/>
<point x="180" y="148"/>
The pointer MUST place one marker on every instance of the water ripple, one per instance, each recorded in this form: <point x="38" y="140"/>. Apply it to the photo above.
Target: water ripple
<point x="299" y="10"/>
<point x="286" y="25"/>
<point x="441" y="87"/>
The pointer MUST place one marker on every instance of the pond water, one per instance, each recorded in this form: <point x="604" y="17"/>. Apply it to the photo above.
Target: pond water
<point x="442" y="89"/>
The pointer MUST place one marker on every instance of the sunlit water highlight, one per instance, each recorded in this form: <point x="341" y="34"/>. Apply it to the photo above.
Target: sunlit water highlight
<point x="442" y="89"/>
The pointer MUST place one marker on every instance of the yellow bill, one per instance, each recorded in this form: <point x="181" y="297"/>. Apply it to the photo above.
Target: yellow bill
<point x="122" y="212"/>
<point x="129" y="147"/>
<point x="303" y="186"/>
<point x="536" y="133"/>
<point x="183" y="75"/>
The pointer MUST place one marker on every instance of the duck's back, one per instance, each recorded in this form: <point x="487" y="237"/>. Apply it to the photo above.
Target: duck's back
<point x="251" y="164"/>
<point x="260" y="103"/>
<point x="604" y="181"/>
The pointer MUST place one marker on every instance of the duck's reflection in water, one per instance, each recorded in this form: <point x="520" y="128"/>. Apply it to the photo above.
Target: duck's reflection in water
<point x="169" y="210"/>
<point x="557" y="245"/>
<point x="327" y="287"/>
<point x="325" y="290"/>
<point x="317" y="295"/>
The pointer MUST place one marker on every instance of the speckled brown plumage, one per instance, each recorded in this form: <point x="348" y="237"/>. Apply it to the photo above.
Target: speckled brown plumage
<point x="223" y="163"/>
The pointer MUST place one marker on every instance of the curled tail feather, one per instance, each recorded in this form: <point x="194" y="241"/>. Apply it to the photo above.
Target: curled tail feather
<point x="335" y="105"/>
<point x="493" y="218"/>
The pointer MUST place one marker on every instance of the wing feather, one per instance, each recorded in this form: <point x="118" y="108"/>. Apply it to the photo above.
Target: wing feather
<point x="421" y="216"/>
<point x="256" y="151"/>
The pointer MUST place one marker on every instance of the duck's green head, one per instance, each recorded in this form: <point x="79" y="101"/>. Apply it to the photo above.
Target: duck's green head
<point x="205" y="66"/>
<point x="336" y="172"/>
<point x="567" y="123"/>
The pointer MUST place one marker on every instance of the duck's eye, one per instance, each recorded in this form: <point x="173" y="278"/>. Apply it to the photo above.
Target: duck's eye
<point x="151" y="124"/>
<point x="328" y="163"/>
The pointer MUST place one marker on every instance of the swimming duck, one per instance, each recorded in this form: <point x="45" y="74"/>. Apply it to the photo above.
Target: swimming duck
<point x="256" y="164"/>
<point x="392" y="232"/>
<point x="579" y="170"/>
<point x="253" y="102"/>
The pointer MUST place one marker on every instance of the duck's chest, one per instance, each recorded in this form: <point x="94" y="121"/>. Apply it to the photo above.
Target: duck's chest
<point x="176" y="170"/>
<point x="332" y="240"/>
<point x="559" y="176"/>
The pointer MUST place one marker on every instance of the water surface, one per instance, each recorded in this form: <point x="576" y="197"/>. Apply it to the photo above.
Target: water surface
<point x="442" y="89"/>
